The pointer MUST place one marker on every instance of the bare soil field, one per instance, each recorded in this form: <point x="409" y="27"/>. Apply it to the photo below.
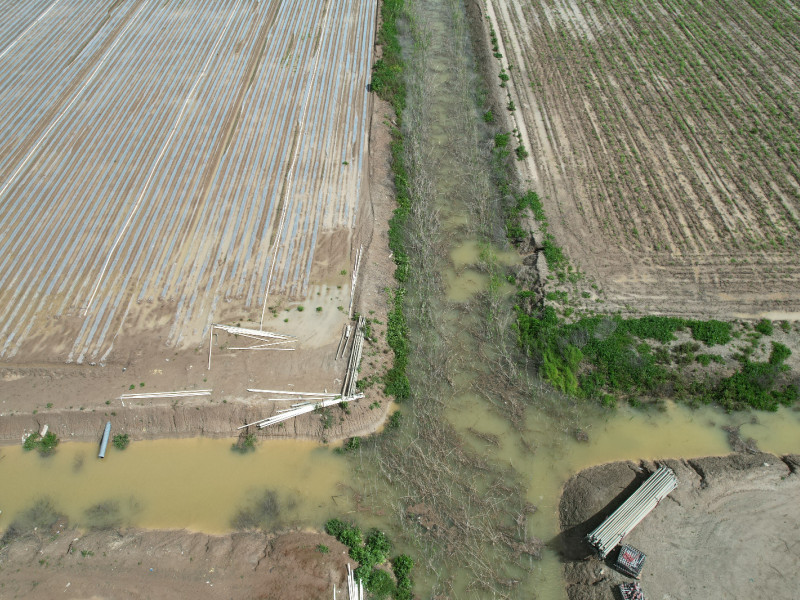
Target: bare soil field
<point x="663" y="140"/>
<point x="167" y="166"/>
<point x="730" y="529"/>
<point x="67" y="563"/>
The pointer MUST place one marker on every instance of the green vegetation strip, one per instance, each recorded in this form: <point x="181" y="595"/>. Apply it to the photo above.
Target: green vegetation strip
<point x="602" y="355"/>
<point x="388" y="83"/>
<point x="370" y="553"/>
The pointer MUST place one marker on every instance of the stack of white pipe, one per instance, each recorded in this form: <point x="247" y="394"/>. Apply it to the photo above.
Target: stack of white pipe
<point x="355" y="590"/>
<point x="612" y="531"/>
<point x="180" y="394"/>
<point x="353" y="281"/>
<point x="351" y="374"/>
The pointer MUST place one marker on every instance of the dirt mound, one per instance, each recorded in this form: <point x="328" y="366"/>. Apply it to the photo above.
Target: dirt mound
<point x="172" y="564"/>
<point x="728" y="531"/>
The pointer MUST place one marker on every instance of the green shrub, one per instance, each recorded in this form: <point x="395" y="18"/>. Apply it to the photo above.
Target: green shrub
<point x="711" y="333"/>
<point x="779" y="354"/>
<point x="488" y="116"/>
<point x="31" y="442"/>
<point x="354" y="443"/>
<point x="245" y="444"/>
<point x="764" y="326"/>
<point x="501" y="140"/>
<point x="121" y="441"/>
<point x="380" y="584"/>
<point x="45" y="445"/>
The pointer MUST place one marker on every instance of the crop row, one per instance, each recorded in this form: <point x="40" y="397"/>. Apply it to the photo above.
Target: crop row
<point x="677" y="124"/>
<point x="150" y="162"/>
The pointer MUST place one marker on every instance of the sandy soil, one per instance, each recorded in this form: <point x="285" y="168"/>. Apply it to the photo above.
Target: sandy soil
<point x="730" y="530"/>
<point x="172" y="564"/>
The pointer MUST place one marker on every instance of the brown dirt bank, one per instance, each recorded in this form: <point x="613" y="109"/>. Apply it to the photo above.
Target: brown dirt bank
<point x="730" y="530"/>
<point x="171" y="564"/>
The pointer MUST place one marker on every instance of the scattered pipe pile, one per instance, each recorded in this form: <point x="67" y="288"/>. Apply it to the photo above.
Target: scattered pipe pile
<point x="622" y="521"/>
<point x="329" y="400"/>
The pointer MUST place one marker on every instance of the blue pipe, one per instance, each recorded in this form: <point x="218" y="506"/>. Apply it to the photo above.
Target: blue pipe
<point x="104" y="443"/>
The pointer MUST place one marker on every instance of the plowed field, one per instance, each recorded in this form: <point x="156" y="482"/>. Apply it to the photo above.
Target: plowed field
<point x="664" y="139"/>
<point x="164" y="165"/>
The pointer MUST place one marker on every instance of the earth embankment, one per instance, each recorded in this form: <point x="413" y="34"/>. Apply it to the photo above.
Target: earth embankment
<point x="730" y="530"/>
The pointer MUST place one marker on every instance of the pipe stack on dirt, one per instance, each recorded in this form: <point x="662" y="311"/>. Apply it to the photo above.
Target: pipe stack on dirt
<point x="623" y="520"/>
<point x="351" y="375"/>
<point x="355" y="590"/>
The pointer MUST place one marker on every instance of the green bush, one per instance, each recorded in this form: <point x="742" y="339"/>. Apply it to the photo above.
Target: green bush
<point x="31" y="442"/>
<point x="245" y="444"/>
<point x="501" y="140"/>
<point x="121" y="441"/>
<point x="354" y="443"/>
<point x="387" y="73"/>
<point x="779" y="354"/>
<point x="380" y="584"/>
<point x="396" y="381"/>
<point x="764" y="326"/>
<point x="45" y="445"/>
<point x="711" y="333"/>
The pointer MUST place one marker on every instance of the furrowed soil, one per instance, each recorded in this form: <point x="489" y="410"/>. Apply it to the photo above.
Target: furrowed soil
<point x="662" y="139"/>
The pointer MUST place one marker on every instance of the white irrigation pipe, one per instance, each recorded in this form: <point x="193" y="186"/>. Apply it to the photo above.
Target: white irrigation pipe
<point x="307" y="399"/>
<point x="261" y="348"/>
<point x="73" y="101"/>
<point x="181" y="394"/>
<point x="290" y="174"/>
<point x="258" y="333"/>
<point x="157" y="162"/>
<point x="354" y="280"/>
<point x="31" y="26"/>
<point x="285" y="393"/>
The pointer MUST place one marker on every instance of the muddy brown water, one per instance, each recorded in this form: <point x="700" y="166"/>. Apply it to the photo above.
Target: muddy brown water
<point x="197" y="484"/>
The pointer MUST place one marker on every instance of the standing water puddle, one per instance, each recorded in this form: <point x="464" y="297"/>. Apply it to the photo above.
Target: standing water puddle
<point x="196" y="484"/>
